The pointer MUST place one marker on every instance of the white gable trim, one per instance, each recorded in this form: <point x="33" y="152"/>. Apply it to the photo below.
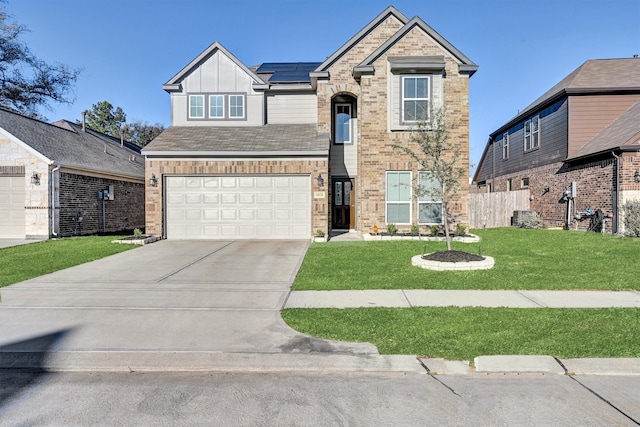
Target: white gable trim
<point x="26" y="146"/>
<point x="173" y="84"/>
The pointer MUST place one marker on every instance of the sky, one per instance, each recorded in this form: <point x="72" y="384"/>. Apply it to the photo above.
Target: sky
<point x="128" y="48"/>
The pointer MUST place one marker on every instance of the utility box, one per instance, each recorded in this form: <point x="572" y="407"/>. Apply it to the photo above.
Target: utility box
<point x="109" y="193"/>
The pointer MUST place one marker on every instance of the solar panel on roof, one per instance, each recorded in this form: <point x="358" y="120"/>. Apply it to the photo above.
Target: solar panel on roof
<point x="288" y="72"/>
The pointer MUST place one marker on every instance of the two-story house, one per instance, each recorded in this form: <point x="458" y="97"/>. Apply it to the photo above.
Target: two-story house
<point x="575" y="148"/>
<point x="282" y="150"/>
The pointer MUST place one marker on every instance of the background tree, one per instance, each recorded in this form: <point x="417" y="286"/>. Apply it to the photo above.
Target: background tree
<point x="430" y="147"/>
<point x="141" y="133"/>
<point x="104" y="119"/>
<point x="25" y="81"/>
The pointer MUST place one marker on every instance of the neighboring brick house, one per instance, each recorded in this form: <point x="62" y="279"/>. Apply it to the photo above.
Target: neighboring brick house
<point x="281" y="150"/>
<point x="584" y="130"/>
<point x="51" y="174"/>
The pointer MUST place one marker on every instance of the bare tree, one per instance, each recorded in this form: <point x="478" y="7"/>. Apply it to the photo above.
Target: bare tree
<point x="430" y="147"/>
<point x="27" y="82"/>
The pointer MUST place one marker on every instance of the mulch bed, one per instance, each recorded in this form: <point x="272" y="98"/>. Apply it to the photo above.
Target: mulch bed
<point x="452" y="256"/>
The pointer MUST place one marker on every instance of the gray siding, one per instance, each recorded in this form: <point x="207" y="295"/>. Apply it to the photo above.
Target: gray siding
<point x="218" y="74"/>
<point x="292" y="108"/>
<point x="553" y="145"/>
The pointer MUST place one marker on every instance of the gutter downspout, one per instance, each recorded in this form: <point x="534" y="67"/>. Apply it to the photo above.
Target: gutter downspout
<point x="493" y="164"/>
<point x="52" y="194"/>
<point x="616" y="221"/>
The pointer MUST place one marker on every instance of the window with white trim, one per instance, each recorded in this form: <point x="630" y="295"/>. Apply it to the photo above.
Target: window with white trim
<point x="216" y="106"/>
<point x="236" y="106"/>
<point x="398" y="197"/>
<point x="343" y="124"/>
<point x="532" y="133"/>
<point x="415" y="98"/>
<point x="505" y="146"/>
<point x="429" y="199"/>
<point x="196" y="106"/>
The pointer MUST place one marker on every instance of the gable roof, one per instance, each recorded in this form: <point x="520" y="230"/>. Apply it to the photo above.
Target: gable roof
<point x="267" y="140"/>
<point x="321" y="70"/>
<point x="595" y="76"/>
<point x="623" y="132"/>
<point x="174" y="82"/>
<point x="466" y="65"/>
<point x="70" y="147"/>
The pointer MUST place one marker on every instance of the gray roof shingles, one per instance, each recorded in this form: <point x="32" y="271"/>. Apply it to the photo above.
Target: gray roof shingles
<point x="272" y="138"/>
<point x="71" y="147"/>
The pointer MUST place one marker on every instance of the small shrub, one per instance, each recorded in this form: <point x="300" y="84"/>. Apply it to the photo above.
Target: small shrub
<point x="392" y="229"/>
<point x="137" y="233"/>
<point x="529" y="220"/>
<point x="414" y="229"/>
<point x="434" y="230"/>
<point x="631" y="212"/>
<point x="461" y="230"/>
<point x="319" y="233"/>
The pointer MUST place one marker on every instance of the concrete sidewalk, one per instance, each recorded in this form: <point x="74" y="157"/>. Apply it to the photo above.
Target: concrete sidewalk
<point x="462" y="298"/>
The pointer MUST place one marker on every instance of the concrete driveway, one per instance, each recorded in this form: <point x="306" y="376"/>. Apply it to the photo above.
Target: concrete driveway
<point x="168" y="305"/>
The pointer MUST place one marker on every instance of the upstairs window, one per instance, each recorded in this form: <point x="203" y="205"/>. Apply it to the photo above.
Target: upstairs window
<point x="532" y="133"/>
<point x="505" y="146"/>
<point x="343" y="124"/>
<point x="196" y="106"/>
<point x="415" y="98"/>
<point x="216" y="106"/>
<point x="236" y="106"/>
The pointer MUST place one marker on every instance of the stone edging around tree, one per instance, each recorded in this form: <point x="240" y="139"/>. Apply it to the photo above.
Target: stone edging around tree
<point x="485" y="264"/>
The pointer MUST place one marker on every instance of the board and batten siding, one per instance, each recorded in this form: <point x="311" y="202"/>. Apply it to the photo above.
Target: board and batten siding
<point x="292" y="108"/>
<point x="218" y="74"/>
<point x="589" y="115"/>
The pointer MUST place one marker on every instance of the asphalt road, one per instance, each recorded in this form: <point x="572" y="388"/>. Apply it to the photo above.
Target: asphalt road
<point x="354" y="399"/>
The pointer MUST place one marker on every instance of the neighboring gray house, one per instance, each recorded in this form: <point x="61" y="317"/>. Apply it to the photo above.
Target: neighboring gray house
<point x="53" y="179"/>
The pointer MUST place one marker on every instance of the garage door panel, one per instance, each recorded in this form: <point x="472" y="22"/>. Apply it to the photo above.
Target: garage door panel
<point x="239" y="207"/>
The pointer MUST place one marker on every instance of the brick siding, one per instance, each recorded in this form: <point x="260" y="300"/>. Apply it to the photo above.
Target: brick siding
<point x="78" y="193"/>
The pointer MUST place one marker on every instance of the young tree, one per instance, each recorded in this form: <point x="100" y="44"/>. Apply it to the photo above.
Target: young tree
<point x="25" y="81"/>
<point x="430" y="147"/>
<point x="104" y="119"/>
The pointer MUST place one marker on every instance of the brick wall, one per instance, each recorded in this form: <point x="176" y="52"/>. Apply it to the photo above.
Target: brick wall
<point x="595" y="183"/>
<point x="78" y="193"/>
<point x="153" y="202"/>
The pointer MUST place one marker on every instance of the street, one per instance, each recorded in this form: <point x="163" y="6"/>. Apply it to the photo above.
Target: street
<point x="327" y="399"/>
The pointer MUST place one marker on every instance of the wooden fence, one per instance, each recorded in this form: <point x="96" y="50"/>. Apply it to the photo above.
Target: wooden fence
<point x="496" y="209"/>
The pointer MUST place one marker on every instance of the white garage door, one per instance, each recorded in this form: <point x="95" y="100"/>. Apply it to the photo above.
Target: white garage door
<point x="238" y="207"/>
<point x="12" y="207"/>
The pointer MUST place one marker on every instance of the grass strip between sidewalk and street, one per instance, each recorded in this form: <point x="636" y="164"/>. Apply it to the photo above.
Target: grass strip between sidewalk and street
<point x="25" y="262"/>
<point x="456" y="333"/>
<point x="524" y="259"/>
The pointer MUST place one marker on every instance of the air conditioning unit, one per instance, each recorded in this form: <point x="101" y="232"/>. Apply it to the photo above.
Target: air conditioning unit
<point x="518" y="216"/>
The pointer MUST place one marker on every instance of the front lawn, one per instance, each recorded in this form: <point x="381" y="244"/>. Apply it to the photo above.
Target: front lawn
<point x="464" y="333"/>
<point x="524" y="259"/>
<point x="25" y="262"/>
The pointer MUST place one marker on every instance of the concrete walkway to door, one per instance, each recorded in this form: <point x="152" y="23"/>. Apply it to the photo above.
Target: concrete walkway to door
<point x="172" y="305"/>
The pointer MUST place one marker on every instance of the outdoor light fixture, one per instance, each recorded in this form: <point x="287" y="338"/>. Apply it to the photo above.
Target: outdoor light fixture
<point x="35" y="179"/>
<point x="636" y="175"/>
<point x="153" y="181"/>
<point x="320" y="180"/>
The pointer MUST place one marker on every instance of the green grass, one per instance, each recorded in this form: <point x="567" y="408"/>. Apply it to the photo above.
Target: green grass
<point x="464" y="333"/>
<point x="524" y="259"/>
<point x="25" y="262"/>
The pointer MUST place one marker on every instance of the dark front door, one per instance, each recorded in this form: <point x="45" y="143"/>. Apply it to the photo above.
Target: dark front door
<point x="343" y="204"/>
